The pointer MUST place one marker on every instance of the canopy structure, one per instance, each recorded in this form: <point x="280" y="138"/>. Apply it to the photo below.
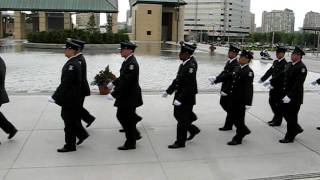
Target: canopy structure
<point x="165" y="2"/>
<point x="103" y="6"/>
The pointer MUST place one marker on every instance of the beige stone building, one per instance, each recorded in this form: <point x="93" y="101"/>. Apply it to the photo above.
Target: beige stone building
<point x="51" y="15"/>
<point x="157" y="20"/>
<point x="82" y="20"/>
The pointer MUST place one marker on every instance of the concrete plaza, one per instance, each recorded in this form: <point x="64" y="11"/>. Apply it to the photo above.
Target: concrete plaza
<point x="32" y="153"/>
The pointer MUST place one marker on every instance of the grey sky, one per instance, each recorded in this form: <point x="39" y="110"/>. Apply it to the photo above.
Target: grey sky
<point x="300" y="8"/>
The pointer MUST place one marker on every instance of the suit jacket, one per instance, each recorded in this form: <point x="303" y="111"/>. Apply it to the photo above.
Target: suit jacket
<point x="242" y="86"/>
<point x="185" y="83"/>
<point x="225" y="77"/>
<point x="295" y="75"/>
<point x="85" y="88"/>
<point x="68" y="93"/>
<point x="127" y="91"/>
<point x="3" y="93"/>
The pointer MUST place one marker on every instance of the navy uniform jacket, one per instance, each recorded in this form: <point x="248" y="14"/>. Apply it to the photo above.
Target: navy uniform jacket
<point x="3" y="93"/>
<point x="242" y="86"/>
<point x="318" y="81"/>
<point x="85" y="88"/>
<point x="185" y="84"/>
<point x="276" y="71"/>
<point x="127" y="91"/>
<point x="295" y="76"/>
<point x="68" y="93"/>
<point x="226" y="76"/>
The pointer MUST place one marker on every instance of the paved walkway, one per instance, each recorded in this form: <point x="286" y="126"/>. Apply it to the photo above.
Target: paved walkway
<point x="32" y="154"/>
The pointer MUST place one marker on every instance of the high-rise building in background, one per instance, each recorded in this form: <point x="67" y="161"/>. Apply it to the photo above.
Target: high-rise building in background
<point x="82" y="20"/>
<point x="252" y="23"/>
<point x="278" y="21"/>
<point x="230" y="18"/>
<point x="312" y="20"/>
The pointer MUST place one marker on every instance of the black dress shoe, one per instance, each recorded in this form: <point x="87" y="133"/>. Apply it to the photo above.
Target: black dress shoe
<point x="138" y="137"/>
<point x="12" y="134"/>
<point x="274" y="124"/>
<point x="124" y="148"/>
<point x="66" y="149"/>
<point x="318" y="128"/>
<point x="89" y="124"/>
<point x="121" y="130"/>
<point x="284" y="141"/>
<point x="225" y="129"/>
<point x="176" y="146"/>
<point x="81" y="140"/>
<point x="234" y="142"/>
<point x="192" y="135"/>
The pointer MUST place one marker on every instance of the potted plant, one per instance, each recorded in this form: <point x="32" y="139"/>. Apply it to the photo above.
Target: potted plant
<point x="102" y="79"/>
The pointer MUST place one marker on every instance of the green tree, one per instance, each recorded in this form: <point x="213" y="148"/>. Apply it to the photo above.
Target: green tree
<point x="92" y="23"/>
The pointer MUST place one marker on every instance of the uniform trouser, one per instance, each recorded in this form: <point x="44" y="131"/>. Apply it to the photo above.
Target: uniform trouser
<point x="5" y="125"/>
<point x="85" y="115"/>
<point x="291" y="116"/>
<point x="128" y="119"/>
<point x="225" y="102"/>
<point x="185" y="116"/>
<point x="275" y="102"/>
<point x="238" y="113"/>
<point x="72" y="119"/>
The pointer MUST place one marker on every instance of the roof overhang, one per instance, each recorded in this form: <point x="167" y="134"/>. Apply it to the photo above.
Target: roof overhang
<point x="163" y="2"/>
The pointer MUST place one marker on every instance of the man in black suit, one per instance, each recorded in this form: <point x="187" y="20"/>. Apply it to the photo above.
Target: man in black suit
<point x="85" y="88"/>
<point x="185" y="89"/>
<point x="241" y="96"/>
<point x="68" y="96"/>
<point x="314" y="83"/>
<point x="225" y="77"/>
<point x="127" y="95"/>
<point x="295" y="75"/>
<point x="276" y="85"/>
<point x="5" y="125"/>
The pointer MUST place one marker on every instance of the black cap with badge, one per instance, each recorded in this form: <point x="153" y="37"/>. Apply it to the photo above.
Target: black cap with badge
<point x="188" y="48"/>
<point x="299" y="51"/>
<point x="79" y="42"/>
<point x="71" y="45"/>
<point x="233" y="48"/>
<point x="247" y="54"/>
<point x="281" y="49"/>
<point x="127" y="45"/>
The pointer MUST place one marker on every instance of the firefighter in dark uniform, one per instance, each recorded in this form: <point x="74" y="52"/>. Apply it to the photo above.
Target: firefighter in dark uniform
<point x="241" y="96"/>
<point x="5" y="125"/>
<point x="127" y="95"/>
<point x="85" y="88"/>
<point x="314" y="83"/>
<point x="225" y="77"/>
<point x="68" y="96"/>
<point x="275" y="84"/>
<point x="185" y="88"/>
<point x="295" y="75"/>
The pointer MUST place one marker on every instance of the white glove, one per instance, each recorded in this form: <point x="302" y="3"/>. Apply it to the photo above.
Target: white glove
<point x="266" y="84"/>
<point x="212" y="79"/>
<point x="110" y="97"/>
<point x="223" y="93"/>
<point x="270" y="87"/>
<point x="177" y="103"/>
<point x="314" y="83"/>
<point x="248" y="107"/>
<point x="260" y="81"/>
<point x="110" y="85"/>
<point x="51" y="100"/>
<point x="164" y="94"/>
<point x="286" y="100"/>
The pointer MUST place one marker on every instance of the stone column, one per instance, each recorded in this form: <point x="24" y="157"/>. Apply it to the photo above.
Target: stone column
<point x="19" y="25"/>
<point x="1" y="26"/>
<point x="67" y="21"/>
<point x="181" y="24"/>
<point x="43" y="21"/>
<point x="115" y="22"/>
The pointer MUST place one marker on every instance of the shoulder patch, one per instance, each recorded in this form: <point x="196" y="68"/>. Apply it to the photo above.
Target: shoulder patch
<point x="191" y="70"/>
<point x="303" y="70"/>
<point x="250" y="74"/>
<point x="70" y="68"/>
<point x="131" y="67"/>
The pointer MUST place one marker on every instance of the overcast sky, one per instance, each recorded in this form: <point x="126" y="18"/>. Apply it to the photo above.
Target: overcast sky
<point x="300" y="8"/>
